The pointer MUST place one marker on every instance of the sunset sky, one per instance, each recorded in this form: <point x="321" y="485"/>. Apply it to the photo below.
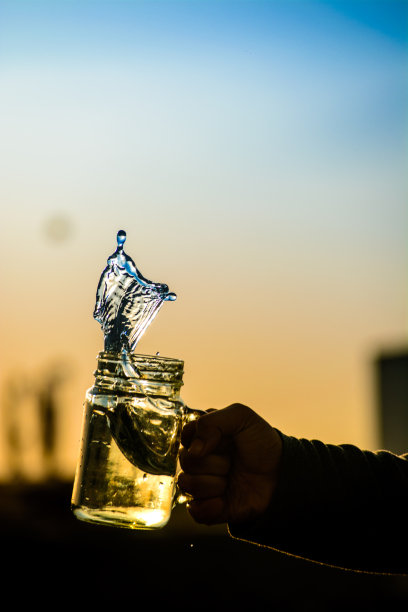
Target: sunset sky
<point x="256" y="154"/>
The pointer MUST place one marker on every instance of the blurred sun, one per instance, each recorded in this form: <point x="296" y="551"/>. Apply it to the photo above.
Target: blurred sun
<point x="58" y="228"/>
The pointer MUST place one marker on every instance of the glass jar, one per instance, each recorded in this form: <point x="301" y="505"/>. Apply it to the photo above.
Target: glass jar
<point x="133" y="416"/>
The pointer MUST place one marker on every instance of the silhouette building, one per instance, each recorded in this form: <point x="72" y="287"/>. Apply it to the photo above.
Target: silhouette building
<point x="392" y="394"/>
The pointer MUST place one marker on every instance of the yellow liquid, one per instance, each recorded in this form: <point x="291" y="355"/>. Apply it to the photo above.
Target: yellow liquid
<point x="109" y="488"/>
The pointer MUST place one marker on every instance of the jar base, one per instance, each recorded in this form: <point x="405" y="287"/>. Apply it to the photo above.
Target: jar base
<point x="129" y="518"/>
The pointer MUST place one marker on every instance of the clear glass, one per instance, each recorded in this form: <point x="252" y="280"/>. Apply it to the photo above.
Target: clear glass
<point x="133" y="416"/>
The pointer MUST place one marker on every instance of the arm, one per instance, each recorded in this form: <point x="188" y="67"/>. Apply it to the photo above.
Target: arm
<point x="337" y="505"/>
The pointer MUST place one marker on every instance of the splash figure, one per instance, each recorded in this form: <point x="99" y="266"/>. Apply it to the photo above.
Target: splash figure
<point x="126" y="302"/>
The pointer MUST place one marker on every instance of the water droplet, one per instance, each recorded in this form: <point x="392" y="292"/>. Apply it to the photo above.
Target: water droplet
<point x="157" y="354"/>
<point x="144" y="476"/>
<point x="121" y="237"/>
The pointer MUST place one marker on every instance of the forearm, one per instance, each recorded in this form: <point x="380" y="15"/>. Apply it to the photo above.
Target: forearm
<point x="337" y="505"/>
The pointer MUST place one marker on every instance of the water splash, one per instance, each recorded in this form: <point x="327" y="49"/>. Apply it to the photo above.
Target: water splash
<point x="126" y="302"/>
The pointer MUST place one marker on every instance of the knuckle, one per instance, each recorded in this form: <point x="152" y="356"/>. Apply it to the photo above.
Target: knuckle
<point x="187" y="433"/>
<point x="244" y="413"/>
<point x="183" y="482"/>
<point x="198" y="513"/>
<point x="241" y="408"/>
<point x="188" y="463"/>
<point x="183" y="458"/>
<point x="188" y="484"/>
<point x="207" y="512"/>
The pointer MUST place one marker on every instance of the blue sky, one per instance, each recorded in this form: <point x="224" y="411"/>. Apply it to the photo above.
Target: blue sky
<point x="94" y="26"/>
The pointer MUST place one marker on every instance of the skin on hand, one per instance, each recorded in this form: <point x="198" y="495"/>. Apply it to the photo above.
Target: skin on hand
<point x="230" y="462"/>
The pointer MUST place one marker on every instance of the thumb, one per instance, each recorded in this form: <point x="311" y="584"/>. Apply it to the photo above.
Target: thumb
<point x="218" y="426"/>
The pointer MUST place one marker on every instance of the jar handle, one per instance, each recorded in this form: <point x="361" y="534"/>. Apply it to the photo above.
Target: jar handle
<point x="190" y="414"/>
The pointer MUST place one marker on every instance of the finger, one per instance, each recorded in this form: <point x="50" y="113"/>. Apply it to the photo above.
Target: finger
<point x="215" y="426"/>
<point x="217" y="465"/>
<point x="208" y="511"/>
<point x="188" y="432"/>
<point x="202" y="486"/>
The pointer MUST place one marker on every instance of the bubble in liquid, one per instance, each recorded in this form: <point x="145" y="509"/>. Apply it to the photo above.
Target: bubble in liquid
<point x="126" y="301"/>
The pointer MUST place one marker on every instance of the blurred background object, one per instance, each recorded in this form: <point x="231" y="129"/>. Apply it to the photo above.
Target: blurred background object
<point x="32" y="417"/>
<point x="392" y="393"/>
<point x="58" y="228"/>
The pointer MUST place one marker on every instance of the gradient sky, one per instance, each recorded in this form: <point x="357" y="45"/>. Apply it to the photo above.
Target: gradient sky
<point x="256" y="155"/>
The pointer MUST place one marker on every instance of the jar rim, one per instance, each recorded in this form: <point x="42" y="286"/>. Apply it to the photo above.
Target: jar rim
<point x="137" y="365"/>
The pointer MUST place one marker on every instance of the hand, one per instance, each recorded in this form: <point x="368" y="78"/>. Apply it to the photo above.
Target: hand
<point x="230" y="463"/>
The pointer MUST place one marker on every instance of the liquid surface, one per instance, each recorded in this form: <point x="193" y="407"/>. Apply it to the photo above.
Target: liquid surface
<point x="147" y="433"/>
<point x="126" y="301"/>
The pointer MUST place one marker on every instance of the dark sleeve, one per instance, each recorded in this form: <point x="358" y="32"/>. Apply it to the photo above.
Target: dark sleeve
<point x="337" y="505"/>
